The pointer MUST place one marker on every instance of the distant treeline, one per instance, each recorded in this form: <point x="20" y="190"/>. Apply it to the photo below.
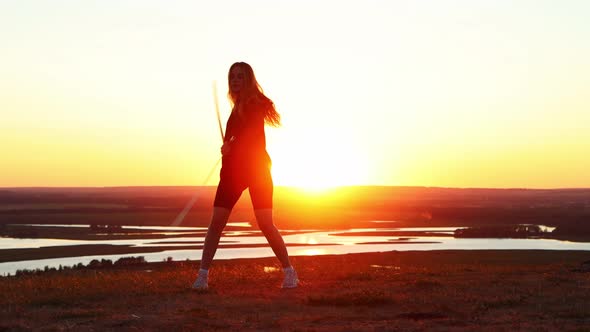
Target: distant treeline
<point x="94" y="264"/>
<point x="573" y="230"/>
<point x="105" y="228"/>
<point x="500" y="231"/>
<point x="341" y="208"/>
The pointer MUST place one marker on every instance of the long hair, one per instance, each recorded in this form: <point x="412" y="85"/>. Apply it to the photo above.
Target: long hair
<point x="252" y="92"/>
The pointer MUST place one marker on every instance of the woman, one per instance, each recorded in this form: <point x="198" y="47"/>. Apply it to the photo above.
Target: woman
<point x="246" y="164"/>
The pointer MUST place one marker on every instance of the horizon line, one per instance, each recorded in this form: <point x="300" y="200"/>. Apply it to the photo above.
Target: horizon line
<point x="297" y="187"/>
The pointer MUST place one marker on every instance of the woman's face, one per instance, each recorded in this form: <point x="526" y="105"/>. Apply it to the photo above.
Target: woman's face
<point x="236" y="79"/>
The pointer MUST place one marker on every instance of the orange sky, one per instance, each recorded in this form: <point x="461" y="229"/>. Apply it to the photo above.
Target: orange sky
<point x="430" y="93"/>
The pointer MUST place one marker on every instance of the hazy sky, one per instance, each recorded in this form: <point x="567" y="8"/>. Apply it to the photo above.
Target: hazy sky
<point x="433" y="93"/>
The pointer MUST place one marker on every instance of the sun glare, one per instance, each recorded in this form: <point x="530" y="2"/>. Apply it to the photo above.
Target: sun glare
<point x="307" y="240"/>
<point x="316" y="165"/>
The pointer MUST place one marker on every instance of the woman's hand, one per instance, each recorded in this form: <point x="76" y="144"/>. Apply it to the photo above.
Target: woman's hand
<point x="225" y="148"/>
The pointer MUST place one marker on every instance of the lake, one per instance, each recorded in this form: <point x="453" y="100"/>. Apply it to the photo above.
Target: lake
<point x="306" y="242"/>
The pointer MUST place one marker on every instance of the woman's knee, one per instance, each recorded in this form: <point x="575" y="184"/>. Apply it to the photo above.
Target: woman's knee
<point x="264" y="220"/>
<point x="219" y="219"/>
<point x="267" y="227"/>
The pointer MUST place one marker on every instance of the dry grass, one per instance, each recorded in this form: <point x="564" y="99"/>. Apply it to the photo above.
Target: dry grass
<point x="410" y="291"/>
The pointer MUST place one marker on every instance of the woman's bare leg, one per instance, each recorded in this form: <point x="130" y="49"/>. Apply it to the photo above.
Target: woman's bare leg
<point x="274" y="238"/>
<point x="218" y="222"/>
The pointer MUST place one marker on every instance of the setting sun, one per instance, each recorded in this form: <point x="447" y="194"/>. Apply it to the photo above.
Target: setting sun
<point x="316" y="161"/>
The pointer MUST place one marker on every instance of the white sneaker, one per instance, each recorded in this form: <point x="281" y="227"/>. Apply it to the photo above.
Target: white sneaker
<point x="291" y="280"/>
<point x="201" y="282"/>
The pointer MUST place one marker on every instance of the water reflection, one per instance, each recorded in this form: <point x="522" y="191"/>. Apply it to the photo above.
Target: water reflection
<point x="389" y="267"/>
<point x="308" y="252"/>
<point x="270" y="269"/>
<point x="311" y="242"/>
<point x="166" y="228"/>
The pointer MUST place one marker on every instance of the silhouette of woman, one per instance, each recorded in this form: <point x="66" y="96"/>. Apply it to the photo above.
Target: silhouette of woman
<point x="246" y="164"/>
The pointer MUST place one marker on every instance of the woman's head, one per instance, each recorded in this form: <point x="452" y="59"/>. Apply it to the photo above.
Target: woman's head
<point x="243" y="86"/>
<point x="240" y="79"/>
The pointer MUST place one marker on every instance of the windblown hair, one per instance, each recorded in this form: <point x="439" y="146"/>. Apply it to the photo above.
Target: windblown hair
<point x="251" y="92"/>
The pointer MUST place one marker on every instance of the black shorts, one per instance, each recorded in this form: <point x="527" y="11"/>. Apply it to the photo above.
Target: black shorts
<point x="232" y="184"/>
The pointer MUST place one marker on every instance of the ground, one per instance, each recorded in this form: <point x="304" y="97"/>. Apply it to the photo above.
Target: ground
<point x="406" y="291"/>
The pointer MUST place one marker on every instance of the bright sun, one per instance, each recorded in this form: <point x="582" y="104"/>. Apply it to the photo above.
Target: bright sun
<point x="313" y="163"/>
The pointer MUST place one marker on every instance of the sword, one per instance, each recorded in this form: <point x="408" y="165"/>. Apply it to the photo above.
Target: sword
<point x="217" y="110"/>
<point x="190" y="204"/>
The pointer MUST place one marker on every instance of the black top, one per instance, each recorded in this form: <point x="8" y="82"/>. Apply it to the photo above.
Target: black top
<point x="245" y="134"/>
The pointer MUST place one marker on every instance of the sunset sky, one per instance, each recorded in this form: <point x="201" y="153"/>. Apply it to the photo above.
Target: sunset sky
<point x="418" y="92"/>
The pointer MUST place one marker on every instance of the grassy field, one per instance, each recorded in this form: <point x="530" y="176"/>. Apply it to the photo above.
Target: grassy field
<point x="409" y="291"/>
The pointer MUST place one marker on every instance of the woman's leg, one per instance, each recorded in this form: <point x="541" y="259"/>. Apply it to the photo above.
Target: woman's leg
<point x="274" y="238"/>
<point x="218" y="222"/>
